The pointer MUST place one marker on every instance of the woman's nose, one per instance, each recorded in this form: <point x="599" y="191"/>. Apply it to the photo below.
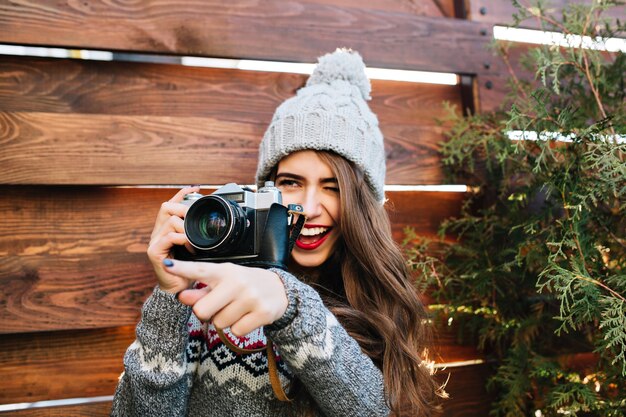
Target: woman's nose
<point x="312" y="204"/>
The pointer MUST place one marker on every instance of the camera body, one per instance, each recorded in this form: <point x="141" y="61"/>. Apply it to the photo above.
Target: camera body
<point x="235" y="224"/>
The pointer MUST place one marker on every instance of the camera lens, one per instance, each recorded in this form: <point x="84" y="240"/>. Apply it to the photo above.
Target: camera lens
<point x="214" y="223"/>
<point x="212" y="226"/>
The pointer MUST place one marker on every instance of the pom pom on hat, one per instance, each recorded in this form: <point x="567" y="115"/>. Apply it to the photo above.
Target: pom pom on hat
<point x="343" y="64"/>
<point x="329" y="114"/>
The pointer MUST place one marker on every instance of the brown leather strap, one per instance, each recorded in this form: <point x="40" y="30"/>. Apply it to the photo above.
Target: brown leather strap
<point x="233" y="346"/>
<point x="271" y="362"/>
<point x="273" y="372"/>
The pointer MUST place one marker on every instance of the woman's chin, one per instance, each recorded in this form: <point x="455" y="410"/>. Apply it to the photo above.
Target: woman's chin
<point x="309" y="255"/>
<point x="309" y="260"/>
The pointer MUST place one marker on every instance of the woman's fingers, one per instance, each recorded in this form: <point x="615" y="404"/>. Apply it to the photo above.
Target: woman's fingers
<point x="177" y="225"/>
<point x="172" y="207"/>
<point x="238" y="315"/>
<point x="158" y="251"/>
<point x="191" y="296"/>
<point x="167" y="232"/>
<point x="180" y="195"/>
<point x="171" y="224"/>
<point x="168" y="211"/>
<point x="231" y="314"/>
<point x="160" y="248"/>
<point x="205" y="272"/>
<point x="222" y="318"/>
<point x="240" y="297"/>
<point x="215" y="300"/>
<point x="246" y="324"/>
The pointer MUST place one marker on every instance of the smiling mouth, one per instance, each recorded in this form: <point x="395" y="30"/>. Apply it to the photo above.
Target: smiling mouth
<point x="312" y="237"/>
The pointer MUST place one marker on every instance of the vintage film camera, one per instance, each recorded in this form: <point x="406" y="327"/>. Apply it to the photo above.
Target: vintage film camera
<point x="235" y="224"/>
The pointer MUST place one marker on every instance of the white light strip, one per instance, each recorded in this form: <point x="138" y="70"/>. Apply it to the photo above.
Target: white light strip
<point x="458" y="364"/>
<point x="541" y="37"/>
<point x="55" y="403"/>
<point x="556" y="136"/>
<point x="55" y="52"/>
<point x="273" y="66"/>
<point x="96" y="55"/>
<point x="241" y="64"/>
<point x="437" y="188"/>
<point x="412" y="76"/>
<point x="248" y="65"/>
<point x="301" y="68"/>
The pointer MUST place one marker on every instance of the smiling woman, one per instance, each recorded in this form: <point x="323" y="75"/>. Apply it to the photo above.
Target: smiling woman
<point x="304" y="178"/>
<point x="342" y="328"/>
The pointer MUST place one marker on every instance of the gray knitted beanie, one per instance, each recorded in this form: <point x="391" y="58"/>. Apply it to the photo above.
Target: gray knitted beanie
<point x="329" y="113"/>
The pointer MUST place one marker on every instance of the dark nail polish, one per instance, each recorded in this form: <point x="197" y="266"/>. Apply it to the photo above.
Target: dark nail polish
<point x="168" y="262"/>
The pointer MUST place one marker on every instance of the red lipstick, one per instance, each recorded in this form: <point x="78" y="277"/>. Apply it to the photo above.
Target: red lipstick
<point x="315" y="243"/>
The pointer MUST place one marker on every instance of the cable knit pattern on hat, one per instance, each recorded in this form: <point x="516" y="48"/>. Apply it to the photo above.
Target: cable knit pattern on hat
<point x="329" y="113"/>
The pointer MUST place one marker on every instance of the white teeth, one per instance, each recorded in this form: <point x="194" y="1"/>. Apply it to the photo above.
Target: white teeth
<point x="312" y="231"/>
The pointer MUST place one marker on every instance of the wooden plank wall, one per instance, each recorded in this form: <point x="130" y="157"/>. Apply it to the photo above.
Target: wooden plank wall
<point x="87" y="146"/>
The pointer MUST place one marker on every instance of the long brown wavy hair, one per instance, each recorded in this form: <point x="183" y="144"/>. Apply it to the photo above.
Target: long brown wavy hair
<point x="367" y="285"/>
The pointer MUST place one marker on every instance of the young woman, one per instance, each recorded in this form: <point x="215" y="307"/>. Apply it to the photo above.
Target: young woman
<point x="344" y="325"/>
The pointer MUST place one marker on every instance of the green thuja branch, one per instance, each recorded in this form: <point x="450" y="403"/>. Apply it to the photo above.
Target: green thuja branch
<point x="613" y="323"/>
<point x="535" y="273"/>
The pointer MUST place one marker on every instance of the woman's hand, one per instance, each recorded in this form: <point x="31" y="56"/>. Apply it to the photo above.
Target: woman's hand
<point x="169" y="231"/>
<point x="235" y="296"/>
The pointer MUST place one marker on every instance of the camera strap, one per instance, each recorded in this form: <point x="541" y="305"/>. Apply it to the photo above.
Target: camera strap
<point x="297" y="228"/>
<point x="271" y="362"/>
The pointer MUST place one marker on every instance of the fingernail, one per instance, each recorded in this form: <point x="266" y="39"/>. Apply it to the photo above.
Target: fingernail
<point x="168" y="262"/>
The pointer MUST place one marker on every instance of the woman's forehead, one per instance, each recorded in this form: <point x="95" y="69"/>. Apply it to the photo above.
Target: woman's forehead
<point x="305" y="163"/>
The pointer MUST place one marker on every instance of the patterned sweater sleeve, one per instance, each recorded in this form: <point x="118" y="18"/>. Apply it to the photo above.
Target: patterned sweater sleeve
<point x="339" y="376"/>
<point x="156" y="380"/>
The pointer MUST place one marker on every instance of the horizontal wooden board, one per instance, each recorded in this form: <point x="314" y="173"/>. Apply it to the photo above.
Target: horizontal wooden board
<point x="100" y="409"/>
<point x="74" y="257"/>
<point x="81" y="291"/>
<point x="501" y="12"/>
<point x="80" y="122"/>
<point x="466" y="387"/>
<point x="70" y="149"/>
<point x="303" y="29"/>
<point x="493" y="90"/>
<point x="435" y="8"/>
<point x="50" y="85"/>
<point x="53" y="148"/>
<point x="50" y="148"/>
<point x="421" y="210"/>
<point x="82" y="364"/>
<point x="87" y="363"/>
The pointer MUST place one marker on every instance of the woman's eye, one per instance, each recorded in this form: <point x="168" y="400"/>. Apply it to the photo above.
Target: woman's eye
<point x="333" y="189"/>
<point x="287" y="183"/>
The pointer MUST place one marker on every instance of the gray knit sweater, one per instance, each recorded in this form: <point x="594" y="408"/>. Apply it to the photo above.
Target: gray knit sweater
<point x="178" y="366"/>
